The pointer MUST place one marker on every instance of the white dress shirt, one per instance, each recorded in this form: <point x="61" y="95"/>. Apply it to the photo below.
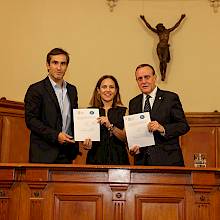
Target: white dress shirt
<point x="64" y="103"/>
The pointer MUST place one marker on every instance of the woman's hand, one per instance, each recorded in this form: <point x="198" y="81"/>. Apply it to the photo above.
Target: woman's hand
<point x="103" y="120"/>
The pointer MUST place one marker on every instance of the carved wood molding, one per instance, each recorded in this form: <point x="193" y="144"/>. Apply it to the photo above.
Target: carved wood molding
<point x="119" y="192"/>
<point x="3" y="193"/>
<point x="200" y="118"/>
<point x="11" y="104"/>
<point x="119" y="200"/>
<point x="203" y="202"/>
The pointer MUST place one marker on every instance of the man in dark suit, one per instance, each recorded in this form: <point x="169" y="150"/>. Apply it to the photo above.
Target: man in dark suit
<point x="168" y="121"/>
<point x="49" y="113"/>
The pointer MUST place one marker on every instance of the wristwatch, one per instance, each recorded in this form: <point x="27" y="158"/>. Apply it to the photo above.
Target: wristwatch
<point x="111" y="127"/>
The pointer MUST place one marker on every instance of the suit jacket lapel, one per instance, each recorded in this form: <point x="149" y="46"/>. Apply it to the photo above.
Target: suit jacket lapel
<point x="50" y="90"/>
<point x="70" y="95"/>
<point x="139" y="103"/>
<point x="158" y="100"/>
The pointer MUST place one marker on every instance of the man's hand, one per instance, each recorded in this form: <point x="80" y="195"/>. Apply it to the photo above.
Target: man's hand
<point x="134" y="149"/>
<point x="87" y="144"/>
<point x="155" y="126"/>
<point x="65" y="138"/>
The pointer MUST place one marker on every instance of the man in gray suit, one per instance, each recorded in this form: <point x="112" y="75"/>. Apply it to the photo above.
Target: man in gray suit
<point x="168" y="121"/>
<point x="48" y="113"/>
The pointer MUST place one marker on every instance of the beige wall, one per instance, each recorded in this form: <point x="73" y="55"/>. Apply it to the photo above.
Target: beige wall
<point x="101" y="42"/>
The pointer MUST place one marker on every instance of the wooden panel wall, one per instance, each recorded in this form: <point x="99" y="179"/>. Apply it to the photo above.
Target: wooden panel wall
<point x="204" y="136"/>
<point x="14" y="134"/>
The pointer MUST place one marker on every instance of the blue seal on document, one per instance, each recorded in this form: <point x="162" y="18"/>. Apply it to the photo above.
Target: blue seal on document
<point x="91" y="112"/>
<point x="142" y="117"/>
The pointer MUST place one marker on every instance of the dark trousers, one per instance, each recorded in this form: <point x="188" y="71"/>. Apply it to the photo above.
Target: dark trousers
<point x="67" y="153"/>
<point x="62" y="159"/>
<point x="158" y="156"/>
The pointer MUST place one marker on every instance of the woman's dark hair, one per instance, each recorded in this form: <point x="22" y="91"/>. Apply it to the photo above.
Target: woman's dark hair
<point x="96" y="99"/>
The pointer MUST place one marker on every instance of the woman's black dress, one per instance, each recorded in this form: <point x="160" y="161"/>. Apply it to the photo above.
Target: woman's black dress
<point x="110" y="150"/>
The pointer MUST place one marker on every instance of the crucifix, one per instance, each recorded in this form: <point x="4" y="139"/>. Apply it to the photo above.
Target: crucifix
<point x="163" y="51"/>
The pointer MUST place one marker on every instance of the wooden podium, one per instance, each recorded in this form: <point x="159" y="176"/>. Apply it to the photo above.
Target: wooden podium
<point x="85" y="192"/>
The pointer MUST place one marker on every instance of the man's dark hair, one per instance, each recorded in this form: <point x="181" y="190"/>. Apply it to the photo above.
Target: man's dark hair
<point x="57" y="51"/>
<point x="144" y="65"/>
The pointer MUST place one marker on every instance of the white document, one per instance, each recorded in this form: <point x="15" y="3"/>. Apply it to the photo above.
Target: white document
<point x="136" y="130"/>
<point x="86" y="125"/>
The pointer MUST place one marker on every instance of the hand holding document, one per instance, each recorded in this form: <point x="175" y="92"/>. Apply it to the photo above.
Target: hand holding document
<point x="86" y="125"/>
<point x="136" y="130"/>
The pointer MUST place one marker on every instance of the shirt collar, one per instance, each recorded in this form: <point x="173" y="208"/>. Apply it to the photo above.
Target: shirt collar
<point x="55" y="85"/>
<point x="152" y="94"/>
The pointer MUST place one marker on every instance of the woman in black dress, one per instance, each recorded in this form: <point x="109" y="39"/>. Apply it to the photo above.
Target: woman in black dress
<point x="112" y="147"/>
